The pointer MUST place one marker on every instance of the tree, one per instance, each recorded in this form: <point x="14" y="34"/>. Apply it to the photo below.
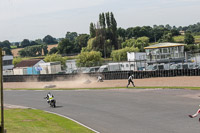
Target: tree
<point x="188" y="39"/>
<point x="39" y="41"/>
<point x="129" y="32"/>
<point x="114" y="31"/>
<point x="16" y="44"/>
<point x="89" y="59"/>
<point x="33" y="43"/>
<point x="16" y="61"/>
<point x="141" y="42"/>
<point x="102" y="20"/>
<point x="7" y="51"/>
<point x="121" y="33"/>
<point x="191" y="47"/>
<point x="25" y="43"/>
<point x="128" y="43"/>
<point x="167" y="26"/>
<point x="22" y="53"/>
<point x="53" y="50"/>
<point x="175" y="32"/>
<point x="167" y="38"/>
<point x="90" y="44"/>
<point x="92" y="30"/>
<point x="71" y="36"/>
<point x="65" y="47"/>
<point x="49" y="40"/>
<point x="45" y="49"/>
<point x="81" y="41"/>
<point x="105" y="34"/>
<point x="31" y="51"/>
<point x="6" y="44"/>
<point x="56" y="57"/>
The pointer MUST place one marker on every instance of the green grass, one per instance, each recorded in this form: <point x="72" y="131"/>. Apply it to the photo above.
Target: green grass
<point x="37" y="121"/>
<point x="197" y="39"/>
<point x="137" y="87"/>
<point x="13" y="47"/>
<point x="180" y="39"/>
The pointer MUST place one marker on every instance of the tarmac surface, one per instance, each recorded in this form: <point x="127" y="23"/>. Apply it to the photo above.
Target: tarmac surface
<point x="120" y="111"/>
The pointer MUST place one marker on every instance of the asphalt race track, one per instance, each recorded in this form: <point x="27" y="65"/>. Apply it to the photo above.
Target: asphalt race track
<point x="120" y="111"/>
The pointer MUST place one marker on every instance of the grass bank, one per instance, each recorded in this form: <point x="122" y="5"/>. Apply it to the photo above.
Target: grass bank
<point x="37" y="121"/>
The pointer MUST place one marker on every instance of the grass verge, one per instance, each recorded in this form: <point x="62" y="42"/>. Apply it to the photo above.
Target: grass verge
<point x="37" y="121"/>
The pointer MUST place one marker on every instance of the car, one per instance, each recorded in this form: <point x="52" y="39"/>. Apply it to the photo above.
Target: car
<point x="155" y="67"/>
<point x="91" y="69"/>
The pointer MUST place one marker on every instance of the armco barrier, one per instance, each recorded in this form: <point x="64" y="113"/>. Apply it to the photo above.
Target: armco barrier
<point x="106" y="75"/>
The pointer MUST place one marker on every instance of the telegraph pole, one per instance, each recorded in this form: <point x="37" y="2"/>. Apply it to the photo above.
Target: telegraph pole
<point x="1" y="78"/>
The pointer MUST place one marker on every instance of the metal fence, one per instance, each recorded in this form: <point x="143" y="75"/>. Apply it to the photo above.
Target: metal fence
<point x="150" y="74"/>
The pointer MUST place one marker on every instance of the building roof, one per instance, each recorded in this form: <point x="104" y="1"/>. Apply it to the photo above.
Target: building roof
<point x="162" y="45"/>
<point x="28" y="63"/>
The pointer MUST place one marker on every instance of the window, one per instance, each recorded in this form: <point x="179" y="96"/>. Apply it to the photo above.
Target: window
<point x="165" y="50"/>
<point x="7" y="62"/>
<point x="160" y="67"/>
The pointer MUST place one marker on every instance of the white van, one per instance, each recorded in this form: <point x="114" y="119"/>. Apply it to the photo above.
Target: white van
<point x="110" y="67"/>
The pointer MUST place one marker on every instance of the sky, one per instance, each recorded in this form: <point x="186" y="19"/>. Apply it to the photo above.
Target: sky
<point x="34" y="19"/>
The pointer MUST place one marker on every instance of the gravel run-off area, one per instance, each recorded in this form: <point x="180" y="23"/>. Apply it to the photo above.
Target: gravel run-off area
<point x="189" y="81"/>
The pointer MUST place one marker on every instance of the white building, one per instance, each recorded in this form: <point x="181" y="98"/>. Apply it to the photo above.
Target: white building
<point x="50" y="67"/>
<point x="7" y="62"/>
<point x="27" y="67"/>
<point x="136" y="56"/>
<point x="71" y="64"/>
<point x="136" y="61"/>
<point x="165" y="53"/>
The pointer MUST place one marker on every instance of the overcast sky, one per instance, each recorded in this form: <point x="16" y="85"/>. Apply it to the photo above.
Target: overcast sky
<point x="34" y="19"/>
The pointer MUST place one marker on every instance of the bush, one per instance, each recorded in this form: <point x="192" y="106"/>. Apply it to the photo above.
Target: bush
<point x="121" y="54"/>
<point x="16" y="61"/>
<point x="89" y="59"/>
<point x="56" y="57"/>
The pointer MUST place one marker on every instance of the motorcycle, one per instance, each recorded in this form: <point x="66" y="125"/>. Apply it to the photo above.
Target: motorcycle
<point x="51" y="102"/>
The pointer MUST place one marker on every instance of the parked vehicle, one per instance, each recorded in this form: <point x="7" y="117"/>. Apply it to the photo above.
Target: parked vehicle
<point x="176" y="66"/>
<point x="110" y="67"/>
<point x="155" y="67"/>
<point x="183" y="66"/>
<point x="91" y="69"/>
<point x="197" y="66"/>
